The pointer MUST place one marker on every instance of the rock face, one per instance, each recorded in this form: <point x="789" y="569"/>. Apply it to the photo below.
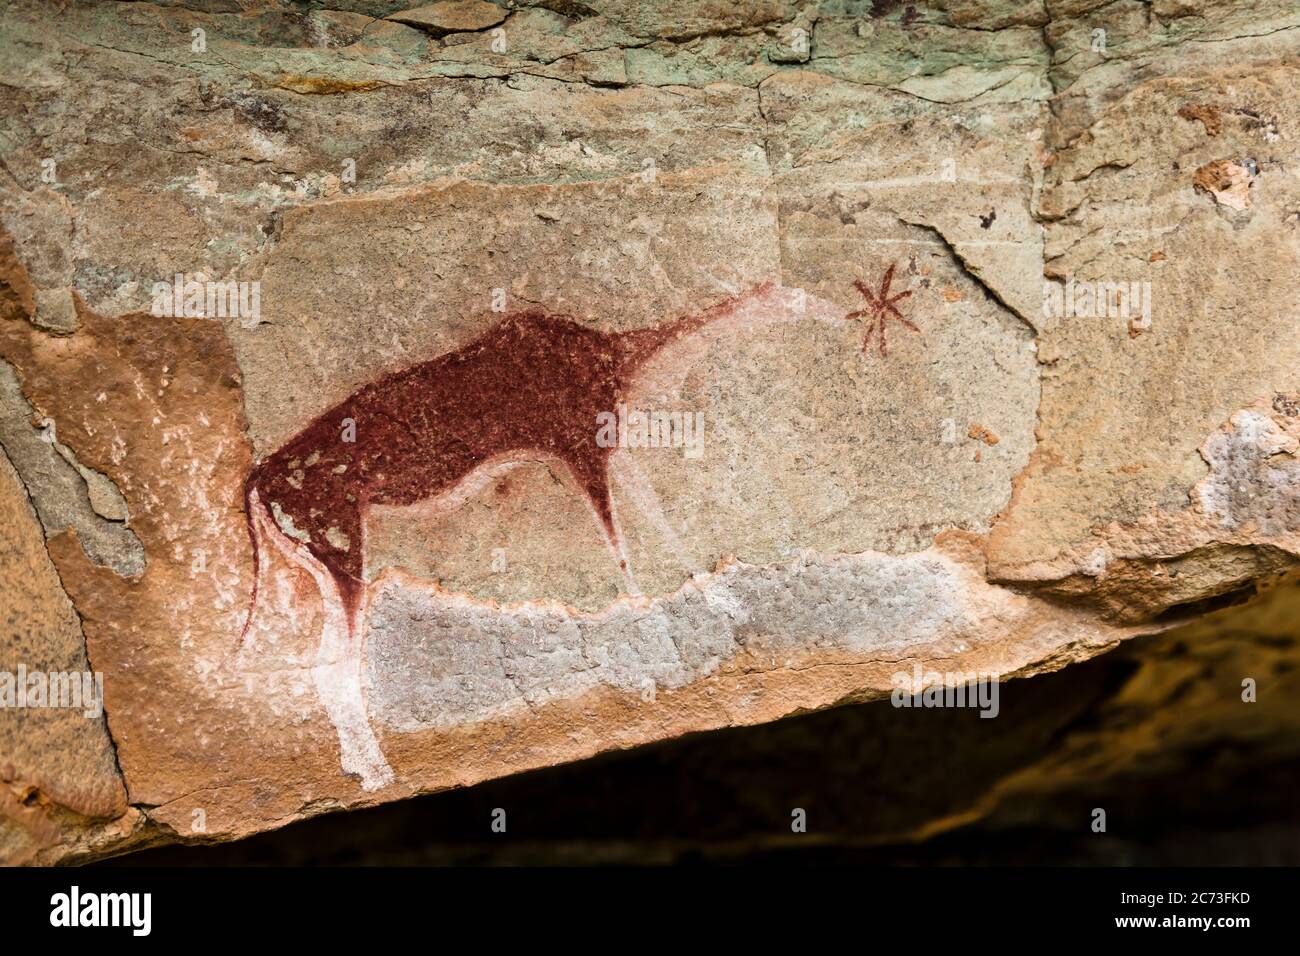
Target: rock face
<point x="393" y="399"/>
<point x="1153" y="732"/>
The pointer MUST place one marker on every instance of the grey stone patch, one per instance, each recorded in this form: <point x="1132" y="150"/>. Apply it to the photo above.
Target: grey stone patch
<point x="55" y="311"/>
<point x="105" y="498"/>
<point x="1254" y="475"/>
<point x="65" y="493"/>
<point x="438" y="661"/>
<point x="864" y="604"/>
<point x="68" y="756"/>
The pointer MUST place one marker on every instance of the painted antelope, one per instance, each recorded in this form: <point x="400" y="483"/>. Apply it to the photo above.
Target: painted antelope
<point x="530" y="387"/>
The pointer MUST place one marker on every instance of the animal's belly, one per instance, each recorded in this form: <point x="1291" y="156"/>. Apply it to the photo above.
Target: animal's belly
<point x="446" y="478"/>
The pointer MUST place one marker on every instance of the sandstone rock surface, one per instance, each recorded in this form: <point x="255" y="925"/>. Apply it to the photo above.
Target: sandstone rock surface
<point x="988" y="316"/>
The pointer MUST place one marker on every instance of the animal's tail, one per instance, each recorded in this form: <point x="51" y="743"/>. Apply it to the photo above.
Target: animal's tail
<point x="251" y="504"/>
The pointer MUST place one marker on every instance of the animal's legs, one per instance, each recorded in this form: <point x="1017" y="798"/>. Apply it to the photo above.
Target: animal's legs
<point x="627" y="474"/>
<point x="256" y="518"/>
<point x="337" y="672"/>
<point x="339" y="682"/>
<point x="595" y="480"/>
<point x="620" y="550"/>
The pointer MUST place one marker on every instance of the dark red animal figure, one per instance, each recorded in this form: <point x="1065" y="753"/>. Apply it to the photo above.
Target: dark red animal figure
<point x="533" y="384"/>
<point x="530" y="386"/>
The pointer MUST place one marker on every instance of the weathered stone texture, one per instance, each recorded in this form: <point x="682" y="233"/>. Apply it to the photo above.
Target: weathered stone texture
<point x="985" y="484"/>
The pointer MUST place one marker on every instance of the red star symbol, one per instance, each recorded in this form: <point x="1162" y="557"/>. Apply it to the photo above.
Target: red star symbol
<point x="880" y="306"/>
